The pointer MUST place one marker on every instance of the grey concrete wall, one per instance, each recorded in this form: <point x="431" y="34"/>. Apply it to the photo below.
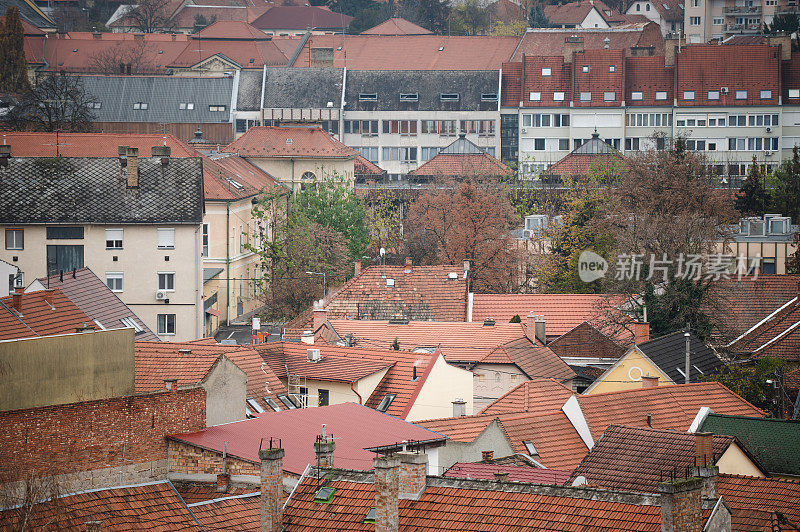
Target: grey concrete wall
<point x="226" y="391"/>
<point x="491" y="439"/>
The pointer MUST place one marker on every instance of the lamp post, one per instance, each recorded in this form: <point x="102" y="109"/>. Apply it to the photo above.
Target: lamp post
<point x="324" y="282"/>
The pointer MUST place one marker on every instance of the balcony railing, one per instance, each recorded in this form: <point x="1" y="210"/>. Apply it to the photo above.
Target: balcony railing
<point x="742" y="10"/>
<point x="787" y="10"/>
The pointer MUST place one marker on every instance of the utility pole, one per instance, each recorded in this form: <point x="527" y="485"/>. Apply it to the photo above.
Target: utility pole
<point x="686" y="335"/>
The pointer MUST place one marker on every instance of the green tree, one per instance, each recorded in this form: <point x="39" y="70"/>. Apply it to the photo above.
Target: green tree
<point x="785" y="23"/>
<point x="469" y="18"/>
<point x="332" y="203"/>
<point x="786" y="188"/>
<point x="753" y="198"/>
<point x="433" y="15"/>
<point x="537" y="18"/>
<point x="13" y="65"/>
<point x="750" y="381"/>
<point x="364" y="20"/>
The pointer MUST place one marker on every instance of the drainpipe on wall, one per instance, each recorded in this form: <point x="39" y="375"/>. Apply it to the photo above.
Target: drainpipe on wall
<point x="360" y="400"/>
<point x="227" y="260"/>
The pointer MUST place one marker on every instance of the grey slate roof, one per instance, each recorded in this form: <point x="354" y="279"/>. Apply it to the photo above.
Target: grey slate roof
<point x="118" y="94"/>
<point x="92" y="296"/>
<point x="26" y="13"/>
<point x="249" y="96"/>
<point x="303" y="88"/>
<point x="669" y="353"/>
<point x="428" y="84"/>
<point x="210" y="273"/>
<point x="92" y="190"/>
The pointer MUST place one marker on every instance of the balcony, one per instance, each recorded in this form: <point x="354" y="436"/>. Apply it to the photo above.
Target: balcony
<point x="787" y="10"/>
<point x="742" y="10"/>
<point x="743" y="28"/>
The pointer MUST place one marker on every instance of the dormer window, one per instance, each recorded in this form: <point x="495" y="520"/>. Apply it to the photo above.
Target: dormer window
<point x="585" y="68"/>
<point x="140" y="105"/>
<point x="637" y="95"/>
<point x="449" y="97"/>
<point x="489" y="97"/>
<point x="612" y="68"/>
<point x="409" y="97"/>
<point x="367" y="97"/>
<point x="547" y="71"/>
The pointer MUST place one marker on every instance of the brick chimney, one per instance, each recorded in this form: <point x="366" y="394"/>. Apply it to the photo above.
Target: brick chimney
<point x="704" y="448"/>
<point x="681" y="505"/>
<point x="649" y="381"/>
<point x="171" y="385"/>
<point x="16" y="299"/>
<point x="160" y="151"/>
<point x="409" y="265"/>
<point x="501" y="476"/>
<point x="487" y="456"/>
<point x="641" y="332"/>
<point x="387" y="493"/>
<point x="572" y="45"/>
<point x="223" y="482"/>
<point x="324" y="451"/>
<point x="320" y="315"/>
<point x="271" y="489"/>
<point x="132" y="175"/>
<point x="413" y="473"/>
<point x="357" y="267"/>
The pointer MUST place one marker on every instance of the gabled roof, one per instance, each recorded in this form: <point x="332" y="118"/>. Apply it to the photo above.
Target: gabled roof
<point x="397" y="26"/>
<point x="42" y="144"/>
<point x="90" y="294"/>
<point x="636" y="458"/>
<point x="448" y="503"/>
<point x="592" y="153"/>
<point x="135" y="507"/>
<point x="576" y="12"/>
<point x="249" y="54"/>
<point x="91" y="190"/>
<point x="230" y="177"/>
<point x="355" y="428"/>
<point x="231" y="512"/>
<point x="462" y="158"/>
<point x="516" y="473"/>
<point x="41" y="313"/>
<point x="307" y="142"/>
<point x="669" y="353"/>
<point x="334" y="366"/>
<point x="537" y="396"/>
<point x="671" y="10"/>
<point x="302" y="18"/>
<point x="231" y="30"/>
<point x="156" y="361"/>
<point x="363" y="167"/>
<point x="585" y="341"/>
<point x="777" y="335"/>
<point x="774" y="442"/>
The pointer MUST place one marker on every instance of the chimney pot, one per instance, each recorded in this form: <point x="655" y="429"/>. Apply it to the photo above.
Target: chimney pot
<point x="271" y="489"/>
<point x="409" y="265"/>
<point x="387" y="493"/>
<point x="320" y="315"/>
<point x="459" y="407"/>
<point x="223" y="482"/>
<point x="649" y="381"/>
<point x="501" y="476"/>
<point x="487" y="456"/>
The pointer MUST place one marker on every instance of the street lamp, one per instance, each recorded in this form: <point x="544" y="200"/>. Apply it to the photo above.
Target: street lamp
<point x="324" y="282"/>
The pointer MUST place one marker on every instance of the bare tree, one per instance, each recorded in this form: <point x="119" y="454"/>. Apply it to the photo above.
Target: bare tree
<point x="125" y="57"/>
<point x="151" y="16"/>
<point x="57" y="103"/>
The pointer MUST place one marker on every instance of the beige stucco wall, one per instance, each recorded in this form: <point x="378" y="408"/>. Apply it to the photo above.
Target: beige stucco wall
<point x="780" y="251"/>
<point x="62" y="369"/>
<point x="139" y="260"/>
<point x="289" y="170"/>
<point x="491" y="439"/>
<point x="445" y="384"/>
<point x="735" y="462"/>
<point x="226" y="391"/>
<point x="492" y="381"/>
<point x="340" y="392"/>
<point x="627" y="373"/>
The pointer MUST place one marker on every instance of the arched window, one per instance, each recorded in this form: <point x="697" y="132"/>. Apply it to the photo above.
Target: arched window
<point x="308" y="176"/>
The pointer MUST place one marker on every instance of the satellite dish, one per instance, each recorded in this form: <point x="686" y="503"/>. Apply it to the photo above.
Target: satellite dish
<point x="383" y="252"/>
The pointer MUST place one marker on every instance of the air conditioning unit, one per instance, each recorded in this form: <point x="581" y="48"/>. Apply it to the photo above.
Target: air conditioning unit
<point x="524" y="130"/>
<point x="767" y="153"/>
<point x="161" y="295"/>
<point x="723" y="90"/>
<point x="527" y="233"/>
<point x="314" y="355"/>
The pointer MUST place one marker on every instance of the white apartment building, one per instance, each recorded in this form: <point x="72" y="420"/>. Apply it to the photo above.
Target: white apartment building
<point x="719" y="19"/>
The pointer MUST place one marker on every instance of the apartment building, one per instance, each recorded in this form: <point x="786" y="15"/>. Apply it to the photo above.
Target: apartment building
<point x="668" y="15"/>
<point x="135" y="221"/>
<point x="731" y="102"/>
<point x="719" y="19"/>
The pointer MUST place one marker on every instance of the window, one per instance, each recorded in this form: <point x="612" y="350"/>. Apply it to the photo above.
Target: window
<point x="609" y="96"/>
<point x="166" y="281"/>
<point x="647" y="8"/>
<point x="409" y="97"/>
<point x="489" y="97"/>
<point x="166" y="324"/>
<point x="563" y="144"/>
<point x="586" y="96"/>
<point x="632" y="144"/>
<point x="694" y="21"/>
<point x="535" y="96"/>
<point x="585" y="68"/>
<point x="287" y="402"/>
<point x="530" y="448"/>
<point x="205" y="240"/>
<point x="186" y="106"/>
<point x="371" y="516"/>
<point x="558" y="96"/>
<point x="272" y="404"/>
<point x="114" y="281"/>
<point x="369" y="153"/>
<point x="252" y="403"/>
<point x="324" y="494"/>
<point x="15" y="239"/>
<point x="217" y="108"/>
<point x="367" y="97"/>
<point x="406" y="155"/>
<point x="64" y="258"/>
<point x="140" y="105"/>
<point x="166" y="238"/>
<point x="547" y="71"/>
<point x="538" y="144"/>
<point x="367" y="128"/>
<point x="688" y="95"/>
<point x="449" y="97"/>
<point x="324" y="397"/>
<point x="385" y="402"/>
<point x="428" y="153"/>
<point x="65" y="233"/>
<point x="407" y="128"/>
<point x="445" y="128"/>
<point x="661" y="95"/>
<point x="695" y="3"/>
<point x="638" y="7"/>
<point x="741" y="95"/>
<point x="794" y="93"/>
<point x="766" y="95"/>
<point x="113" y="238"/>
<point x="713" y="95"/>
<point x="612" y="68"/>
<point x="637" y="95"/>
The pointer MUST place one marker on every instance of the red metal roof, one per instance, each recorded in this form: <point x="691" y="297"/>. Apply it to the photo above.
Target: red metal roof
<point x="354" y="428"/>
<point x="482" y="471"/>
<point x="269" y="141"/>
<point x="397" y="26"/>
<point x="41" y="313"/>
<point x="29" y="144"/>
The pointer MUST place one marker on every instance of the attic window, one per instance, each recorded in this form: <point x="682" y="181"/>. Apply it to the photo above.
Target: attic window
<point x="95" y="105"/>
<point x="441" y="48"/>
<point x="367" y="97"/>
<point x="449" y="97"/>
<point x="612" y="68"/>
<point x="385" y="402"/>
<point x="794" y="93"/>
<point x="661" y="95"/>
<point x="215" y="108"/>
<point x="741" y="95"/>
<point x="288" y="141"/>
<point x="371" y="516"/>
<point x="409" y="97"/>
<point x="287" y="402"/>
<point x="489" y="97"/>
<point x="186" y="106"/>
<point x="255" y="406"/>
<point x="129" y="322"/>
<point x="234" y="184"/>
<point x="637" y="95"/>
<point x="252" y="60"/>
<point x="535" y="96"/>
<point x="140" y="105"/>
<point x="558" y="96"/>
<point x="585" y="68"/>
<point x="547" y="71"/>
<point x="530" y="448"/>
<point x="390" y="282"/>
<point x="272" y="404"/>
<point x="324" y="495"/>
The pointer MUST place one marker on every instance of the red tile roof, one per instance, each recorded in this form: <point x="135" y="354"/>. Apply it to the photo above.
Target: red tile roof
<point x="151" y="506"/>
<point x="562" y="312"/>
<point x="28" y="144"/>
<point x="198" y="492"/>
<point x="302" y="18"/>
<point x="269" y="141"/>
<point x="768" y="494"/>
<point x="585" y="341"/>
<point x="229" y="513"/>
<point x="420" y="52"/>
<point x="576" y="12"/>
<point x="454" y="504"/>
<point x="483" y="471"/>
<point x="748" y="301"/>
<point x="222" y="173"/>
<point x="538" y="396"/>
<point x="231" y="30"/>
<point x="156" y="361"/>
<point x="246" y="54"/>
<point x="791" y="78"/>
<point x="185" y="18"/>
<point x="550" y="41"/>
<point x="41" y="313"/>
<point x="462" y="164"/>
<point x="753" y="68"/>
<point x="92" y="296"/>
<point x="599" y="79"/>
<point x="336" y="365"/>
<point x="397" y="26"/>
<point x="777" y="336"/>
<point x="529" y="79"/>
<point x="363" y="167"/>
<point x="636" y="458"/>
<point x="648" y="75"/>
<point x="353" y="427"/>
